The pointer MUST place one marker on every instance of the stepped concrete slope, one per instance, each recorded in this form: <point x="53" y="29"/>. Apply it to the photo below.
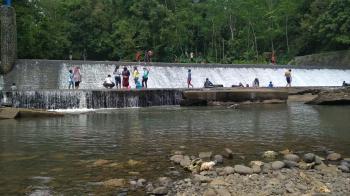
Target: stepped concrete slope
<point x="51" y="74"/>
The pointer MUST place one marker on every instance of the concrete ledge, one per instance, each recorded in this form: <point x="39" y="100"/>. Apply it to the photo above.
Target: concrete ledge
<point x="205" y="97"/>
<point x="11" y="113"/>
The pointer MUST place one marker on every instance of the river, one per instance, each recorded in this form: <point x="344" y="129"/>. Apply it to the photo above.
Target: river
<point x="57" y="155"/>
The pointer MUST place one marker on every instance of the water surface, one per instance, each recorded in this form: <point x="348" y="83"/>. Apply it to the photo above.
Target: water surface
<point x="56" y="155"/>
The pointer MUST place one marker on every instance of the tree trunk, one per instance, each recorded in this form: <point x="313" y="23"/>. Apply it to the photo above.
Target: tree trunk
<point x="287" y="39"/>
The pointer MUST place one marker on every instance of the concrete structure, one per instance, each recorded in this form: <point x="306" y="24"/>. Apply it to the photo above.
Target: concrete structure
<point x="99" y="99"/>
<point x="8" y="38"/>
<point x="237" y="95"/>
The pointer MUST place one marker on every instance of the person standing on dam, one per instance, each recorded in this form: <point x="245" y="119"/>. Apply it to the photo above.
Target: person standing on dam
<point x="288" y="75"/>
<point x="70" y="79"/>
<point x="189" y="79"/>
<point x="117" y="77"/>
<point x="145" y="77"/>
<point x="77" y="77"/>
<point x="136" y="75"/>
<point x="126" y="75"/>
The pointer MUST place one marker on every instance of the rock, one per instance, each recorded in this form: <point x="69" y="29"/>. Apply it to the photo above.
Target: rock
<point x="290" y="187"/>
<point x="276" y="165"/>
<point x="228" y="153"/>
<point x="141" y="182"/>
<point x="256" y="169"/>
<point x="309" y="158"/>
<point x="223" y="192"/>
<point x="186" y="161"/>
<point x="266" y="168"/>
<point x="290" y="164"/>
<point x="205" y="155"/>
<point x="332" y="170"/>
<point x="177" y="158"/>
<point x="345" y="163"/>
<point x="114" y="183"/>
<point x="285" y="152"/>
<point x="344" y="168"/>
<point x="149" y="188"/>
<point x="165" y="181"/>
<point x="228" y="170"/>
<point x="270" y="155"/>
<point x="201" y="178"/>
<point x="347" y="160"/>
<point x="334" y="157"/>
<point x="319" y="160"/>
<point x="241" y="169"/>
<point x="258" y="163"/>
<point x="209" y="192"/>
<point x="160" y="191"/>
<point x="173" y="173"/>
<point x="100" y="162"/>
<point x="332" y="97"/>
<point x="207" y="166"/>
<point x="306" y="166"/>
<point x="133" y="185"/>
<point x="218" y="182"/>
<point x="134" y="173"/>
<point x="178" y="152"/>
<point x="134" y="163"/>
<point x="292" y="157"/>
<point x="219" y="159"/>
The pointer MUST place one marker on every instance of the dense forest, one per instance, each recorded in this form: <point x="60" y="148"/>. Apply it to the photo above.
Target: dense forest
<point x="222" y="31"/>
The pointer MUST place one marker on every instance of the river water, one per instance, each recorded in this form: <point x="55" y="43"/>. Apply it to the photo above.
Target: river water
<point x="57" y="155"/>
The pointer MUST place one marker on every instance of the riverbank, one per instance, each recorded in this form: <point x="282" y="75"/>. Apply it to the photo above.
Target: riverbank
<point x="282" y="173"/>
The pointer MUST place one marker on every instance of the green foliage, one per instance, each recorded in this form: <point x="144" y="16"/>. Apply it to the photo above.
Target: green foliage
<point x="222" y="31"/>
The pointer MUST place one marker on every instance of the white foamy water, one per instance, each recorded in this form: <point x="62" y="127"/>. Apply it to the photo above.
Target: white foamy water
<point x="176" y="77"/>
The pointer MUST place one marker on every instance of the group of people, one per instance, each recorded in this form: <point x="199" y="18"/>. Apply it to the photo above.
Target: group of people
<point x="122" y="77"/>
<point x="74" y="78"/>
<point x="255" y="84"/>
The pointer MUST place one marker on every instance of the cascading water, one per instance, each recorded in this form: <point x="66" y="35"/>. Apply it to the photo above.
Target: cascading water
<point x="176" y="77"/>
<point x="1" y="82"/>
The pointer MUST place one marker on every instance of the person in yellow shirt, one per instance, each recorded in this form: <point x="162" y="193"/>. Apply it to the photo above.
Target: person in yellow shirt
<point x="136" y="75"/>
<point x="288" y="76"/>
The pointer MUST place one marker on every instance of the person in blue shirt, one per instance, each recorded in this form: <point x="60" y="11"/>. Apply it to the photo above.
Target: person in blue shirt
<point x="270" y="85"/>
<point x="189" y="79"/>
<point x="70" y="79"/>
<point x="145" y="77"/>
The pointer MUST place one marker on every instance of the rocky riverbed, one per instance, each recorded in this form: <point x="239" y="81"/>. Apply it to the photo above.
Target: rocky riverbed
<point x="278" y="173"/>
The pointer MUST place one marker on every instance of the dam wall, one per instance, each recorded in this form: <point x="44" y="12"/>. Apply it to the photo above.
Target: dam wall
<point x="90" y="99"/>
<point x="53" y="74"/>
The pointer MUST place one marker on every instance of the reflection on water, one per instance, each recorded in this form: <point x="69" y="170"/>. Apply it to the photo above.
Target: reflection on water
<point x="58" y="155"/>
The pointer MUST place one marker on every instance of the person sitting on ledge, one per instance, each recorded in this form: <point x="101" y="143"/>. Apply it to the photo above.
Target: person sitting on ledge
<point x="345" y="84"/>
<point x="108" y="83"/>
<point x="270" y="85"/>
<point x="256" y="83"/>
<point x="208" y="84"/>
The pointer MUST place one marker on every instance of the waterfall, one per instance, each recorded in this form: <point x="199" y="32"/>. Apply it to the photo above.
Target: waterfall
<point x="176" y="77"/>
<point x="92" y="99"/>
<point x="45" y="74"/>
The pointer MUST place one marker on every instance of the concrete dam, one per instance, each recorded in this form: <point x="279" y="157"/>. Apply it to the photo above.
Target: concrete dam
<point x="43" y="83"/>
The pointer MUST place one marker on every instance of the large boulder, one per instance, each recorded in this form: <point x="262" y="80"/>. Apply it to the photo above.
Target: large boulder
<point x="332" y="97"/>
<point x="334" y="157"/>
<point x="241" y="169"/>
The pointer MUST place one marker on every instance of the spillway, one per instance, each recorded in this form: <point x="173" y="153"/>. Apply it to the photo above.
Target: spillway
<point x="45" y="74"/>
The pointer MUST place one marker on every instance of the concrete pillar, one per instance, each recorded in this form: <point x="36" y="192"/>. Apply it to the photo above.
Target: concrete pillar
<point x="8" y="38"/>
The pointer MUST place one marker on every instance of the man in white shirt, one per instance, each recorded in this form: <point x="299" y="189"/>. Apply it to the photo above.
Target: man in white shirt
<point x="108" y="83"/>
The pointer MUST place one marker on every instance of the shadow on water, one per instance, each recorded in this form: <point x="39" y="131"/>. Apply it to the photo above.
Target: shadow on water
<point x="59" y="155"/>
